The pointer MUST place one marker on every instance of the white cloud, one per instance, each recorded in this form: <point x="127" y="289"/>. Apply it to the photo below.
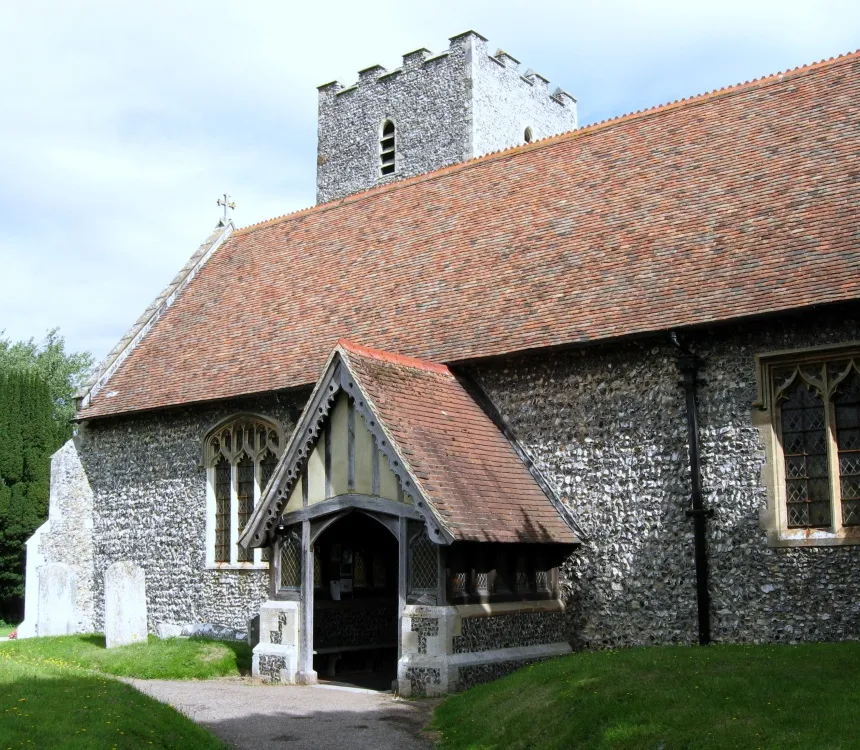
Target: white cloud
<point x="122" y="123"/>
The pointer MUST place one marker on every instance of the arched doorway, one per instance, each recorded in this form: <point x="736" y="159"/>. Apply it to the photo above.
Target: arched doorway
<point x="356" y="611"/>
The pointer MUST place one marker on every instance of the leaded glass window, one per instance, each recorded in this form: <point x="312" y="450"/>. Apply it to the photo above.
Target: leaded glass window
<point x="847" y="408"/>
<point x="245" y="489"/>
<point x="242" y="457"/>
<point x="223" y="479"/>
<point x="423" y="561"/>
<point x="521" y="575"/>
<point x="291" y="562"/>
<point x="817" y="408"/>
<point x="804" y="446"/>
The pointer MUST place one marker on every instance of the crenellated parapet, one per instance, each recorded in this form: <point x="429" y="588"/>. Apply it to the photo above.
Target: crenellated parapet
<point x="436" y="110"/>
<point x="423" y="58"/>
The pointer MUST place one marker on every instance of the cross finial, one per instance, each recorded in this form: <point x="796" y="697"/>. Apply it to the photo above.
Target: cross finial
<point x="225" y="201"/>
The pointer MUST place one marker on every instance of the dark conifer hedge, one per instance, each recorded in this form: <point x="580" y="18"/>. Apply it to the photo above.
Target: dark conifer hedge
<point x="29" y="434"/>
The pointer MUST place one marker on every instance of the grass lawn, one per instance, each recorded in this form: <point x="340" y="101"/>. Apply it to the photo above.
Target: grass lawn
<point x="6" y="628"/>
<point x="172" y="659"/>
<point x="57" y="692"/>
<point x="672" y="697"/>
<point x="56" y="707"/>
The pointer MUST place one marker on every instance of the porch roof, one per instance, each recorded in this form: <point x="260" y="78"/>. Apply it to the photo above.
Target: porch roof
<point x="443" y="446"/>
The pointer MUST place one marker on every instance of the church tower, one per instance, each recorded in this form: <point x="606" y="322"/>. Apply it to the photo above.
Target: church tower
<point x="433" y="111"/>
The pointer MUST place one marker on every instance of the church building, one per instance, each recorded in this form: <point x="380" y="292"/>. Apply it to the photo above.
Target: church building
<point x="511" y="388"/>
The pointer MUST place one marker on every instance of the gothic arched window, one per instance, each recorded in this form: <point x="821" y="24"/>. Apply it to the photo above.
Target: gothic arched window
<point x="241" y="456"/>
<point x="387" y="145"/>
<point x="815" y="402"/>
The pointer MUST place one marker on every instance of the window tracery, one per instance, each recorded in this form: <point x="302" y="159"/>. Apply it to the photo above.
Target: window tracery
<point x="816" y="420"/>
<point x="241" y="459"/>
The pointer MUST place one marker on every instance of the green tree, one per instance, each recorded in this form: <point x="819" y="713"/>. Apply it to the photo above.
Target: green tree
<point x="63" y="372"/>
<point x="28" y="437"/>
<point x="38" y="382"/>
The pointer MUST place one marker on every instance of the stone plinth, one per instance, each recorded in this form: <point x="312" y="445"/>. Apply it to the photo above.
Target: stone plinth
<point x="276" y="656"/>
<point x="125" y="604"/>
<point x="439" y="655"/>
<point x="57" y="614"/>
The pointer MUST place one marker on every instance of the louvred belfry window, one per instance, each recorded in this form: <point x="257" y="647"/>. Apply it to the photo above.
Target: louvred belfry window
<point x="242" y="456"/>
<point x="387" y="149"/>
<point x="818" y="428"/>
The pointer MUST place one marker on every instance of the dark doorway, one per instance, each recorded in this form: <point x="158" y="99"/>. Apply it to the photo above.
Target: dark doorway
<point x="355" y="603"/>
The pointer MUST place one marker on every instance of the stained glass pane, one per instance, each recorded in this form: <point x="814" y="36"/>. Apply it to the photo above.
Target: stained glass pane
<point x="223" y="476"/>
<point x="804" y="445"/>
<point x="846" y="402"/>
<point x="291" y="562"/>
<point x="317" y="569"/>
<point x="245" y="499"/>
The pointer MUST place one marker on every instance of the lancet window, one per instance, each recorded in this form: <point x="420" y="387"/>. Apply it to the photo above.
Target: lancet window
<point x="817" y="450"/>
<point x="241" y="458"/>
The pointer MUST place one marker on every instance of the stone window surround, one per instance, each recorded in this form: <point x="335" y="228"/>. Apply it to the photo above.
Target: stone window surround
<point x="234" y="564"/>
<point x="767" y="418"/>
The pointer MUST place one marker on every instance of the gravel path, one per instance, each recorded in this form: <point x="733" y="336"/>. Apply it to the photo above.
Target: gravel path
<point x="250" y="715"/>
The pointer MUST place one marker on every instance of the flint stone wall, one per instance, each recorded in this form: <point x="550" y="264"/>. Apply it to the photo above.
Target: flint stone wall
<point x="505" y="103"/>
<point x="148" y="483"/>
<point x="509" y="631"/>
<point x="607" y="425"/>
<point x="446" y="108"/>
<point x="429" y="104"/>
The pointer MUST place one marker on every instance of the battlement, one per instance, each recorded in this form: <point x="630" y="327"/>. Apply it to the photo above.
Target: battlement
<point x="423" y="58"/>
<point x="431" y="111"/>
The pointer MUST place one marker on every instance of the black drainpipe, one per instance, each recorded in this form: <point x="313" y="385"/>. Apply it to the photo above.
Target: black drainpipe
<point x="689" y="365"/>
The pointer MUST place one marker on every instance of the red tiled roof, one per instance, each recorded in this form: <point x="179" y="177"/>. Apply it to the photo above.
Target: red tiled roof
<point x="479" y="489"/>
<point x="477" y="484"/>
<point x="738" y="203"/>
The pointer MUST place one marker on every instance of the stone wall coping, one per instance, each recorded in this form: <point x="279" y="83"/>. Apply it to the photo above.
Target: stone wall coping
<point x="496" y="656"/>
<point x="492" y="609"/>
<point x="517" y="653"/>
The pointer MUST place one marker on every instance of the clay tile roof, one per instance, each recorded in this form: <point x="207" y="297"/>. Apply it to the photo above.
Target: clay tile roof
<point x="741" y="202"/>
<point x="467" y="470"/>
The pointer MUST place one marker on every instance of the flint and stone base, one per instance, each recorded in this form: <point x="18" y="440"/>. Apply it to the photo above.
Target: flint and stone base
<point x="433" y="663"/>
<point x="276" y="656"/>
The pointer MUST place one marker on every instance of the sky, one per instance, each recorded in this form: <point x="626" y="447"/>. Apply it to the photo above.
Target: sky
<point x="122" y="123"/>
